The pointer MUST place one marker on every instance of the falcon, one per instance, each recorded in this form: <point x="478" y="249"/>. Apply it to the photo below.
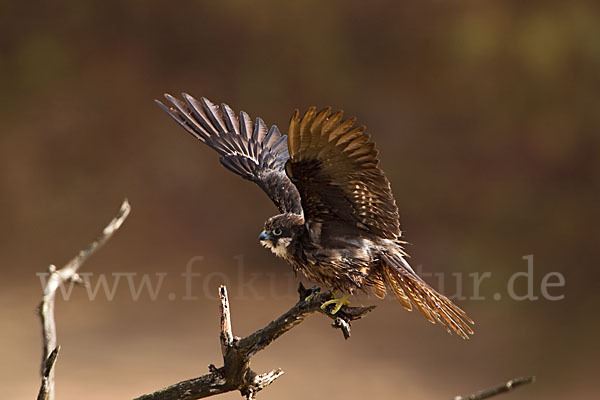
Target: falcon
<point x="338" y="222"/>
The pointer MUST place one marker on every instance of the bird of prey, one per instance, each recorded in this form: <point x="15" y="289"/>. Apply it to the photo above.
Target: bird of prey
<point x="338" y="222"/>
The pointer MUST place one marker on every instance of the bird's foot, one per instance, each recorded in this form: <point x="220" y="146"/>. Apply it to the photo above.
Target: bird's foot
<point x="338" y="301"/>
<point x="315" y="291"/>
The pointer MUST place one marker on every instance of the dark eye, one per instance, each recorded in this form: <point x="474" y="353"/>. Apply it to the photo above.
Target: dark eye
<point x="277" y="232"/>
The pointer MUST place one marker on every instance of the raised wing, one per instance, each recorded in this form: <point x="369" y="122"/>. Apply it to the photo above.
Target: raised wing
<point x="248" y="149"/>
<point x="335" y="168"/>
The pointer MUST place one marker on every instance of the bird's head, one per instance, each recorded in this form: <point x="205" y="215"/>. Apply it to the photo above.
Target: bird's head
<point x="279" y="232"/>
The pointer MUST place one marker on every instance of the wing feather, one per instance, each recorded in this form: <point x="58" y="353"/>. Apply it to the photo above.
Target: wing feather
<point x="245" y="126"/>
<point x="233" y="125"/>
<point x="260" y="130"/>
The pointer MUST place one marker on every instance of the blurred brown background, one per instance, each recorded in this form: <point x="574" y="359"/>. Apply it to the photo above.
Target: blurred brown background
<point x="487" y="121"/>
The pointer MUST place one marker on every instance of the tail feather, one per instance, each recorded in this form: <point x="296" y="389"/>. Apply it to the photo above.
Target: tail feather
<point x="396" y="288"/>
<point x="410" y="289"/>
<point x="378" y="286"/>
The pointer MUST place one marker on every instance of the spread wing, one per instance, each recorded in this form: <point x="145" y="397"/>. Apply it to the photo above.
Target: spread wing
<point x="335" y="168"/>
<point x="248" y="149"/>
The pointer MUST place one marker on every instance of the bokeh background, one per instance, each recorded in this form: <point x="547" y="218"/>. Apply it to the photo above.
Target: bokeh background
<point x="486" y="115"/>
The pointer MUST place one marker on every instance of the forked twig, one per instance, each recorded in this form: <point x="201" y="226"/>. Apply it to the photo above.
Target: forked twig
<point x="236" y="373"/>
<point x="58" y="277"/>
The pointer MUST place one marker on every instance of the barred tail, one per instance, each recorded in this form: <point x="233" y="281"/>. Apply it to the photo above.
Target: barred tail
<point x="410" y="289"/>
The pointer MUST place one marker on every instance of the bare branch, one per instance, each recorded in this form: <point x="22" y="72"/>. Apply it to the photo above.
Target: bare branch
<point x="260" y="339"/>
<point x="502" y="388"/>
<point x="58" y="277"/>
<point x="226" y="333"/>
<point x="236" y="373"/>
<point x="48" y="367"/>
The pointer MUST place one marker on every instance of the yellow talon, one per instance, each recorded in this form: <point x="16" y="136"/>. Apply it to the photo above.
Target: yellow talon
<point x="338" y="301"/>
<point x="311" y="296"/>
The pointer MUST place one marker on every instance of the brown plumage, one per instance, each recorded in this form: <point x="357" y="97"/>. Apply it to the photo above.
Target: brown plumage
<point x="339" y="222"/>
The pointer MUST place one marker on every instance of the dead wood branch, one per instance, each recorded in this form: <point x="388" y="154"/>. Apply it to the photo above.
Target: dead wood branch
<point x="237" y="352"/>
<point x="502" y="388"/>
<point x="58" y="277"/>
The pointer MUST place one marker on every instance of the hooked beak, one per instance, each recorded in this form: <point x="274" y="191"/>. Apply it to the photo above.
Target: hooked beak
<point x="264" y="236"/>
